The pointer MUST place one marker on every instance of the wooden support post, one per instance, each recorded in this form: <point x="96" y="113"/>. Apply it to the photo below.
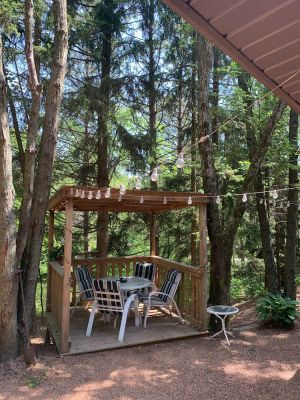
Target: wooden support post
<point x="65" y="314"/>
<point x="153" y="231"/>
<point x="202" y="263"/>
<point x="50" y="247"/>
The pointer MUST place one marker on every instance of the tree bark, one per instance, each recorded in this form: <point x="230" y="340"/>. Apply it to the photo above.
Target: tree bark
<point x="222" y="235"/>
<point x="42" y="182"/>
<point x="8" y="277"/>
<point x="102" y="129"/>
<point x="292" y="212"/>
<point x="33" y="126"/>
<point x="271" y="279"/>
<point x="194" y="224"/>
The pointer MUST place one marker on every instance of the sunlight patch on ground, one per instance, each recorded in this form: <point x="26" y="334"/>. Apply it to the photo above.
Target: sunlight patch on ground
<point x="256" y="371"/>
<point x="128" y="376"/>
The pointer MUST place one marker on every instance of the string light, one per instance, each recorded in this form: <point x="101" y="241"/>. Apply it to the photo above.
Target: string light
<point x="203" y="139"/>
<point x="244" y="198"/>
<point x="180" y="161"/>
<point x="142" y="199"/>
<point x="77" y="193"/>
<point x="154" y="175"/>
<point x="275" y="195"/>
<point x="90" y="195"/>
<point x="190" y="201"/>
<point x="98" y="195"/>
<point x="82" y="194"/>
<point x="288" y="204"/>
<point x="122" y="189"/>
<point x="218" y="200"/>
<point x="107" y="193"/>
<point x="138" y="183"/>
<point x="165" y="200"/>
<point x="261" y="201"/>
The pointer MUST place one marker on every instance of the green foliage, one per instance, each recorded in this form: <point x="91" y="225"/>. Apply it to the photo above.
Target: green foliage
<point x="10" y="11"/>
<point x="297" y="280"/>
<point x="276" y="308"/>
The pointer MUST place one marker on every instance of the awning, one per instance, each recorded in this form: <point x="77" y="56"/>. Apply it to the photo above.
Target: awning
<point x="263" y="36"/>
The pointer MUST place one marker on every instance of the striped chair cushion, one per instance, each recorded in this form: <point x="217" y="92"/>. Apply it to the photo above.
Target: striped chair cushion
<point x="110" y="290"/>
<point x="84" y="281"/>
<point x="144" y="270"/>
<point x="170" y="285"/>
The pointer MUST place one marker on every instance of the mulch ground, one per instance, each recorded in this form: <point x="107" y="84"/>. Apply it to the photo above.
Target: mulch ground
<point x="261" y="363"/>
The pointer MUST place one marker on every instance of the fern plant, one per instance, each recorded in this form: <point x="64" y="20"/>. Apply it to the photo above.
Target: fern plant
<point x="281" y="310"/>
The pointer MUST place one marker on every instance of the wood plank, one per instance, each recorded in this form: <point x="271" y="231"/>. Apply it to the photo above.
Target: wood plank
<point x="65" y="311"/>
<point x="161" y="327"/>
<point x="203" y="236"/>
<point x="153" y="230"/>
<point x="54" y="330"/>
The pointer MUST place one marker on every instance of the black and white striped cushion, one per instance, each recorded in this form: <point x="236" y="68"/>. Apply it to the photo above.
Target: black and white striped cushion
<point x="170" y="284"/>
<point x="144" y="270"/>
<point x="84" y="281"/>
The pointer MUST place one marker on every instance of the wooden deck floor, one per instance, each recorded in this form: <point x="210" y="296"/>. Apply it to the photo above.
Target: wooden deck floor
<point x="160" y="327"/>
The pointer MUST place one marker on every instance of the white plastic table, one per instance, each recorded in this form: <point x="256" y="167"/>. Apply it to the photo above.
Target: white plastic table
<point x="222" y="313"/>
<point x="132" y="282"/>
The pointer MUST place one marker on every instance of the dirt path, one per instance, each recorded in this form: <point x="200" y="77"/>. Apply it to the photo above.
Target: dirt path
<point x="259" y="364"/>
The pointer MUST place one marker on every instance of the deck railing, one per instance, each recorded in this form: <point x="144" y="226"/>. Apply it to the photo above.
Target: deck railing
<point x="191" y="296"/>
<point x="55" y="292"/>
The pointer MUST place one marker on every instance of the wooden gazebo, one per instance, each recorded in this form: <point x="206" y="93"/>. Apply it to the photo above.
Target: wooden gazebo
<point x="192" y="295"/>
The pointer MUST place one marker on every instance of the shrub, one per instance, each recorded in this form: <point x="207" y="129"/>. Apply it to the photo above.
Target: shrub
<point x="281" y="310"/>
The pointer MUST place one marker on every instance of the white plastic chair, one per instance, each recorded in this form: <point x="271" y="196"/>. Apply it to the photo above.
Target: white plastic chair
<point x="163" y="298"/>
<point x="109" y="300"/>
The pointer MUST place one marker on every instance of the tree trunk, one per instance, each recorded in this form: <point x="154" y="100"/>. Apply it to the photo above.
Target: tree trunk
<point x="8" y="277"/>
<point x="292" y="212"/>
<point x="42" y="182"/>
<point x="271" y="279"/>
<point x="102" y="129"/>
<point x="222" y="239"/>
<point x="194" y="224"/>
<point x="33" y="126"/>
<point x="215" y="94"/>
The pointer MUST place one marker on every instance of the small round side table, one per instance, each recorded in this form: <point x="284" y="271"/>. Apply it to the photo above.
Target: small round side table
<point x="222" y="313"/>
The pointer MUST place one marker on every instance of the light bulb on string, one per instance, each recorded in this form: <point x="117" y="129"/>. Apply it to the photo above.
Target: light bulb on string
<point x="122" y="190"/>
<point x="107" y="193"/>
<point x="154" y="175"/>
<point x="120" y="197"/>
<point x="77" y="193"/>
<point x="190" y="201"/>
<point x="82" y="194"/>
<point x="142" y="199"/>
<point x="218" y="200"/>
<point x="180" y="161"/>
<point x="138" y="183"/>
<point x="98" y="195"/>
<point x="203" y="139"/>
<point x="261" y="201"/>
<point x="244" y="198"/>
<point x="288" y="204"/>
<point x="165" y="200"/>
<point x="275" y="195"/>
<point x="90" y="195"/>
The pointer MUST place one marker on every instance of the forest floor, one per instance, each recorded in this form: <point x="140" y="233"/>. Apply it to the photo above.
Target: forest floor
<point x="261" y="363"/>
